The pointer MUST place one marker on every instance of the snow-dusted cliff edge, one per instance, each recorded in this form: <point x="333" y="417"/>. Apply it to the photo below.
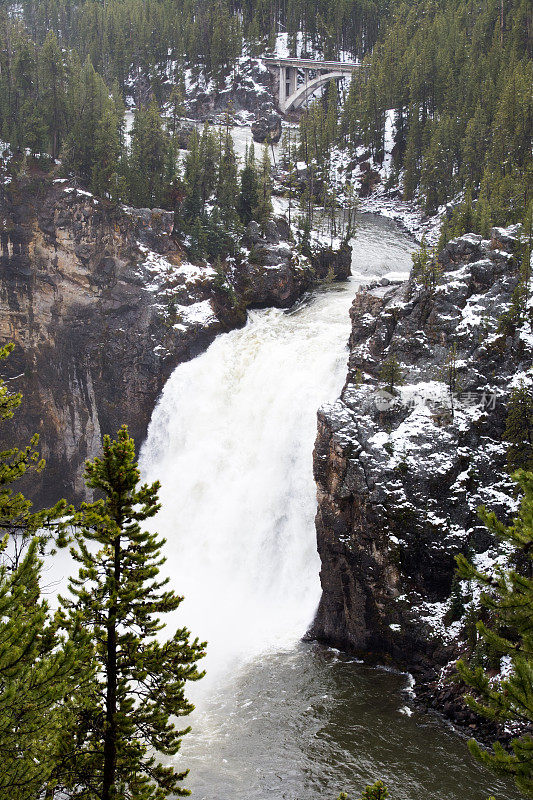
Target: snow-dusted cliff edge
<point x="399" y="485"/>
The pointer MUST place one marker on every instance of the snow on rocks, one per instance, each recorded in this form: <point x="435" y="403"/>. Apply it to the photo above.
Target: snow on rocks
<point x="401" y="473"/>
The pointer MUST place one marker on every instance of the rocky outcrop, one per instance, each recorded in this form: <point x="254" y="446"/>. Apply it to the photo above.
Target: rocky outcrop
<point x="330" y="263"/>
<point x="184" y="133"/>
<point x="272" y="266"/>
<point x="400" y="475"/>
<point x="247" y="90"/>
<point x="102" y="304"/>
<point x="267" y="129"/>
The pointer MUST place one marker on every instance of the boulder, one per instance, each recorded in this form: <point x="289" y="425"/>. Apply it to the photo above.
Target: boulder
<point x="337" y="264"/>
<point x="183" y="134"/>
<point x="267" y="129"/>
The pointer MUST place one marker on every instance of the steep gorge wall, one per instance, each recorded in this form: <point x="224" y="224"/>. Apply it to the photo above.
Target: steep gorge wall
<point x="102" y="304"/>
<point x="399" y="485"/>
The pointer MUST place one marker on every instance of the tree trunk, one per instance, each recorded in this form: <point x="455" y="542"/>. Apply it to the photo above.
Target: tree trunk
<point x="110" y="736"/>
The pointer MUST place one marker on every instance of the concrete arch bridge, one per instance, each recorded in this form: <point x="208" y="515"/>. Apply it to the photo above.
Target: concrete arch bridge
<point x="292" y="92"/>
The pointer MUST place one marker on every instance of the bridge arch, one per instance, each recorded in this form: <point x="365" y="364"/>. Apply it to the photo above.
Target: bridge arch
<point x="298" y="98"/>
<point x="290" y="94"/>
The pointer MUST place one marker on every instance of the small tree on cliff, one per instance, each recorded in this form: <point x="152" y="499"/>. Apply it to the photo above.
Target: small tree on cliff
<point x="519" y="429"/>
<point x="508" y="603"/>
<point x="391" y="374"/>
<point x="117" y="599"/>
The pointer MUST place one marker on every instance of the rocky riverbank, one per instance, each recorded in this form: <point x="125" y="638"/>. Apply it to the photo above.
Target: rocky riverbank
<point x="400" y="476"/>
<point x="103" y="303"/>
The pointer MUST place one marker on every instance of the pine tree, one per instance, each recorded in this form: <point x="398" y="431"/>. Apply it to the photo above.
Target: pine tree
<point x="227" y="181"/>
<point x="507" y="600"/>
<point x="53" y="91"/>
<point x="177" y="107"/>
<point x="248" y="199"/>
<point x="38" y="672"/>
<point x="38" y="668"/>
<point x="88" y="101"/>
<point x="151" y="169"/>
<point x="412" y="154"/>
<point x="209" y="158"/>
<point x="17" y="517"/>
<point x="375" y="792"/>
<point x="193" y="176"/>
<point x="105" y="180"/>
<point x="118" y="598"/>
<point x="519" y="429"/>
<point x="425" y="273"/>
<point x="331" y="116"/>
<point x="391" y="373"/>
<point x="263" y="211"/>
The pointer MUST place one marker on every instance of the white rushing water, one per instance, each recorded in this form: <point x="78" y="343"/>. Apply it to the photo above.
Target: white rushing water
<point x="231" y="441"/>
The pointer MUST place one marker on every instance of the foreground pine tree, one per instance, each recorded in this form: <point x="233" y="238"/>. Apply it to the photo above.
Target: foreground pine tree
<point x="38" y="672"/>
<point x="508" y="603"/>
<point x="125" y="721"/>
<point x="38" y="667"/>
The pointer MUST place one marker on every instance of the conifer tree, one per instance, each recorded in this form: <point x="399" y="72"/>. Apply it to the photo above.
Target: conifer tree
<point x="17" y="517"/>
<point x="193" y="176"/>
<point x="507" y="628"/>
<point x="425" y="272"/>
<point x="209" y="157"/>
<point x="53" y="90"/>
<point x="391" y="373"/>
<point x="519" y="429"/>
<point x="151" y="168"/>
<point x="88" y="101"/>
<point x="375" y="792"/>
<point x="412" y="154"/>
<point x="177" y="107"/>
<point x="227" y="181"/>
<point x="331" y="116"/>
<point x="105" y="180"/>
<point x="117" y="598"/>
<point x="264" y="207"/>
<point x="38" y="668"/>
<point x="248" y="200"/>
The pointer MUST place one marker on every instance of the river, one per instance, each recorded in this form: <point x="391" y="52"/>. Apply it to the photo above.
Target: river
<point x="231" y="440"/>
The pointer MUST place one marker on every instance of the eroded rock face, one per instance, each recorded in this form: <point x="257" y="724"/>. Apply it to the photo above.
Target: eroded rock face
<point x="335" y="264"/>
<point x="248" y="90"/>
<point x="102" y="304"/>
<point x="267" y="129"/>
<point x="399" y="482"/>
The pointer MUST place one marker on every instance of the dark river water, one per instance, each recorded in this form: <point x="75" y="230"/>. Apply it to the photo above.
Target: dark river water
<point x="306" y="723"/>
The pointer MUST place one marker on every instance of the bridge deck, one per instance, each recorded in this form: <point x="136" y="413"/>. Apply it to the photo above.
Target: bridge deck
<point x="309" y="63"/>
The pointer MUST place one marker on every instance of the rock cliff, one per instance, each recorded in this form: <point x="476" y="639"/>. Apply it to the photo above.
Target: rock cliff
<point x="102" y="304"/>
<point x="400" y="475"/>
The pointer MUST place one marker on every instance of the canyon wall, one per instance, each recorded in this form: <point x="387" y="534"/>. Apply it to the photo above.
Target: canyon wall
<point x="400" y="475"/>
<point x="102" y="304"/>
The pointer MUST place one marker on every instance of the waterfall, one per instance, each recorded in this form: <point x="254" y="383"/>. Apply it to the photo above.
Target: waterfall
<point x="231" y="441"/>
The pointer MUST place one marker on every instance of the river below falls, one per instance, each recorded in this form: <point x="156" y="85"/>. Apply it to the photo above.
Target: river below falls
<point x="231" y="441"/>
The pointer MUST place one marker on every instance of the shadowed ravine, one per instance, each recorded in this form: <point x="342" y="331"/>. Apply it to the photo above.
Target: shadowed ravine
<point x="231" y="440"/>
